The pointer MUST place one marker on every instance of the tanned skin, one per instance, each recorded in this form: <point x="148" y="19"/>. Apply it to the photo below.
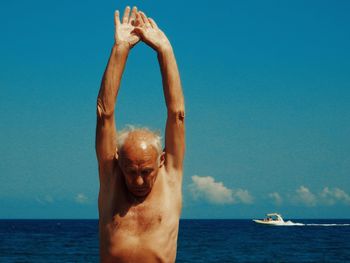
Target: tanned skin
<point x="140" y="192"/>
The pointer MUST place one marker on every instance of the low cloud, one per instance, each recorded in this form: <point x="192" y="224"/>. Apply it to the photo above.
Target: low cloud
<point x="46" y="199"/>
<point x="243" y="196"/>
<point x="305" y="196"/>
<point x="205" y="187"/>
<point x="332" y="196"/>
<point x="81" y="198"/>
<point x="328" y="196"/>
<point x="276" y="198"/>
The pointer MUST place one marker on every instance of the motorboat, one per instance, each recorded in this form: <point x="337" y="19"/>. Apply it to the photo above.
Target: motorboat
<point x="271" y="219"/>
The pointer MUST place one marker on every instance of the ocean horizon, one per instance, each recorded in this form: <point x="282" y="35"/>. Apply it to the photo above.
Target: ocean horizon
<point x="200" y="240"/>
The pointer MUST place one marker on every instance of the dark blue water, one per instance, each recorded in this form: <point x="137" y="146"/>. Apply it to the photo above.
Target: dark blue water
<point x="199" y="241"/>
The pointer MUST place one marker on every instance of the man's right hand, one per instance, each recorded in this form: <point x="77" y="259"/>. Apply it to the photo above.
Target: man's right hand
<point x="149" y="32"/>
<point x="124" y="35"/>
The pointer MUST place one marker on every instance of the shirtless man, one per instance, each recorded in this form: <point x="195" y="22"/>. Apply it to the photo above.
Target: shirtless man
<point x="140" y="185"/>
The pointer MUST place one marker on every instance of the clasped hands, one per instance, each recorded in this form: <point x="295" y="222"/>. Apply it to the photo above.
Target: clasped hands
<point x="136" y="26"/>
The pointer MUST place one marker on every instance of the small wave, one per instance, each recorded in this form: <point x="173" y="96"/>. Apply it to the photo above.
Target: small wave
<point x="290" y="223"/>
<point x="327" y="224"/>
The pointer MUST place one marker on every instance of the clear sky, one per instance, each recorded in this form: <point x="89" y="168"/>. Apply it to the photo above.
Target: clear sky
<point x="267" y="87"/>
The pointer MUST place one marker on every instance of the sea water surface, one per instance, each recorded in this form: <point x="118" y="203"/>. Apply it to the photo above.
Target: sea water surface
<point x="199" y="241"/>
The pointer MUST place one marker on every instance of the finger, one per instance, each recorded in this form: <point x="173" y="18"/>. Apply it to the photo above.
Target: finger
<point x="144" y="19"/>
<point x="152" y="22"/>
<point x="139" y="20"/>
<point x="133" y="15"/>
<point x="116" y="18"/>
<point x="136" y="22"/>
<point x="126" y="15"/>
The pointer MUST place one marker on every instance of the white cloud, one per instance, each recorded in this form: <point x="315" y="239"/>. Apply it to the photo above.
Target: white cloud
<point x="81" y="198"/>
<point x="341" y="195"/>
<point x="332" y="196"/>
<point x="46" y="199"/>
<point x="328" y="196"/>
<point x="243" y="196"/>
<point x="214" y="192"/>
<point x="276" y="198"/>
<point x="305" y="196"/>
<point x="206" y="188"/>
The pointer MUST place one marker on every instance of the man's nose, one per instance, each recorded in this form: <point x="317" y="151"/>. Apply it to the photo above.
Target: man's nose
<point x="139" y="180"/>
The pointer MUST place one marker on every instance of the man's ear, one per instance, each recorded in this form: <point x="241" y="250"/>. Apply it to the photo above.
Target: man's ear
<point x="161" y="159"/>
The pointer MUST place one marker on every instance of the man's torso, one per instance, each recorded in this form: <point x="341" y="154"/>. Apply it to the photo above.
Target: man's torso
<point x="140" y="232"/>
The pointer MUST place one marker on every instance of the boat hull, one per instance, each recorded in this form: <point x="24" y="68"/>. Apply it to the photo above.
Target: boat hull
<point x="275" y="223"/>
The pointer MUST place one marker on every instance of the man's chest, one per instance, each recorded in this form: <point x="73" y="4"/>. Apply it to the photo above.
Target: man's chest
<point x="148" y="217"/>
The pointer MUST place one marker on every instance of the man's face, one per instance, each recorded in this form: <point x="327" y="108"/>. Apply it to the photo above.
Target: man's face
<point x="140" y="165"/>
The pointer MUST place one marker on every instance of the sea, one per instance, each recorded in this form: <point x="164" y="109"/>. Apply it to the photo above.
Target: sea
<point x="199" y="241"/>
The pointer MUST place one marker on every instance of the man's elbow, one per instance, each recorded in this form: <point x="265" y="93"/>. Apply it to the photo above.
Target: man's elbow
<point x="177" y="114"/>
<point x="102" y="111"/>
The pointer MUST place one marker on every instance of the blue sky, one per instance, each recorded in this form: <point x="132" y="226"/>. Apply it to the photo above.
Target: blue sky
<point x="267" y="87"/>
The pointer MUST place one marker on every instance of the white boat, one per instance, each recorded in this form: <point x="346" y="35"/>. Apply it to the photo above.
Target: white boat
<point x="272" y="219"/>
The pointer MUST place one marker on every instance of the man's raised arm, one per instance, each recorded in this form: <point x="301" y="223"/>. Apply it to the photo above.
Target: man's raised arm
<point x="106" y="129"/>
<point x="149" y="32"/>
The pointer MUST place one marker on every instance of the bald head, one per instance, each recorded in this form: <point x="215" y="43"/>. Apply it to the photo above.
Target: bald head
<point x="139" y="146"/>
<point x="139" y="137"/>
